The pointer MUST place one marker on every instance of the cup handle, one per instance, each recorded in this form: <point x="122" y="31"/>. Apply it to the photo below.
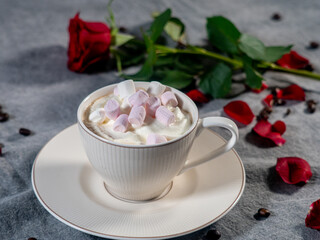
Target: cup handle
<point x="214" y="122"/>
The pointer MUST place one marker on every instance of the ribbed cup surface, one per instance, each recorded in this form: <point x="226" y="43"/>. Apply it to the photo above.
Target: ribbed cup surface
<point x="137" y="173"/>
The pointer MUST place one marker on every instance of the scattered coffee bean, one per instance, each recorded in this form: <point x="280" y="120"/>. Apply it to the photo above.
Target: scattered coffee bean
<point x="313" y="45"/>
<point x="309" y="67"/>
<point x="24" y="131"/>
<point x="264" y="113"/>
<point x="263" y="212"/>
<point x="279" y="102"/>
<point x="287" y="112"/>
<point x="181" y="45"/>
<point x="213" y="235"/>
<point x="276" y="17"/>
<point x="0" y="151"/>
<point x="32" y="238"/>
<point x="4" y="117"/>
<point x="311" y="104"/>
<point x="122" y="29"/>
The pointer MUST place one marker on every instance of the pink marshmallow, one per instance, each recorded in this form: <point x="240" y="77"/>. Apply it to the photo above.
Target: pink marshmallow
<point x="168" y="98"/>
<point x="112" y="109"/>
<point x="156" y="138"/>
<point x="137" y="115"/>
<point x="164" y="116"/>
<point x="138" y="99"/>
<point x="152" y="105"/>
<point x="121" y="123"/>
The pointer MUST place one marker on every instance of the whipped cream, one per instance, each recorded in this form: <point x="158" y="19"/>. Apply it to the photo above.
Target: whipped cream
<point x="136" y="135"/>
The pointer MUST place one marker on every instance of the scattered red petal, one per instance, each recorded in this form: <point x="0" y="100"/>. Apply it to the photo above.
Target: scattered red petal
<point x="293" y="170"/>
<point x="263" y="87"/>
<point x="293" y="92"/>
<point x="273" y="132"/>
<point x="239" y="111"/>
<point x="197" y="96"/>
<point x="279" y="126"/>
<point x="293" y="60"/>
<point x="313" y="217"/>
<point x="268" y="100"/>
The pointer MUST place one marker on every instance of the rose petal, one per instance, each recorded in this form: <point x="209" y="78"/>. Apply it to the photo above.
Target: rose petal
<point x="279" y="126"/>
<point x="293" y="60"/>
<point x="293" y="92"/>
<point x="197" y="96"/>
<point x="293" y="170"/>
<point x="266" y="130"/>
<point x="263" y="87"/>
<point x="268" y="100"/>
<point x="239" y="111"/>
<point x="313" y="216"/>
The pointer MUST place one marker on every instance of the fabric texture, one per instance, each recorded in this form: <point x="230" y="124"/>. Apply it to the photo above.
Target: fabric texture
<point x="40" y="93"/>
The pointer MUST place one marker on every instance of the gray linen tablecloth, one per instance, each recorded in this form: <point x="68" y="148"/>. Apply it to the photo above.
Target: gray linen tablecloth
<point x="40" y="93"/>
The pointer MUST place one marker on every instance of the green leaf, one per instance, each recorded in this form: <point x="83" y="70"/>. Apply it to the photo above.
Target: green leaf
<point x="255" y="49"/>
<point x="111" y="19"/>
<point x="175" y="29"/>
<point x="217" y="82"/>
<point x="147" y="68"/>
<point x="158" y="24"/>
<point x="253" y="77"/>
<point x="183" y="63"/>
<point x="252" y="46"/>
<point x="165" y="60"/>
<point x="120" y="39"/>
<point x="176" y="79"/>
<point x="273" y="54"/>
<point x="223" y="34"/>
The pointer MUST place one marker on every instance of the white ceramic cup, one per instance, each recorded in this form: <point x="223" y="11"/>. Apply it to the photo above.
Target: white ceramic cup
<point x="144" y="172"/>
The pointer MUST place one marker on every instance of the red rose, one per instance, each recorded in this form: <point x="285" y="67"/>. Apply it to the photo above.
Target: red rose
<point x="89" y="43"/>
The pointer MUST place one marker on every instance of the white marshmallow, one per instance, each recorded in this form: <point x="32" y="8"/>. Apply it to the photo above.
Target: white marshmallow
<point x="126" y="88"/>
<point x="116" y="91"/>
<point x="98" y="116"/>
<point x="156" y="88"/>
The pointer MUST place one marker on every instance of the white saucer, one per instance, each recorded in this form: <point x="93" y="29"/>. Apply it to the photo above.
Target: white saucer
<point x="68" y="187"/>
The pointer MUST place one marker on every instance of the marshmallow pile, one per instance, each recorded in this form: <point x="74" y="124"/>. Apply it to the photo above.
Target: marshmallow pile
<point x="153" y="102"/>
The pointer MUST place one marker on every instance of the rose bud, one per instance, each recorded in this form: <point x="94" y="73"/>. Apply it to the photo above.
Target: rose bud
<point x="89" y="43"/>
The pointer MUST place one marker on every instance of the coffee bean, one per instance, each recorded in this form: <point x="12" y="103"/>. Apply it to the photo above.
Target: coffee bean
<point x="262" y="212"/>
<point x="274" y="92"/>
<point x="311" y="104"/>
<point x="24" y="131"/>
<point x="181" y="45"/>
<point x="279" y="102"/>
<point x="309" y="67"/>
<point x="122" y="29"/>
<point x="32" y="238"/>
<point x="287" y="112"/>
<point x="4" y="117"/>
<point x="0" y="151"/>
<point x="213" y="235"/>
<point x="313" y="45"/>
<point x="264" y="113"/>
<point x="276" y="17"/>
